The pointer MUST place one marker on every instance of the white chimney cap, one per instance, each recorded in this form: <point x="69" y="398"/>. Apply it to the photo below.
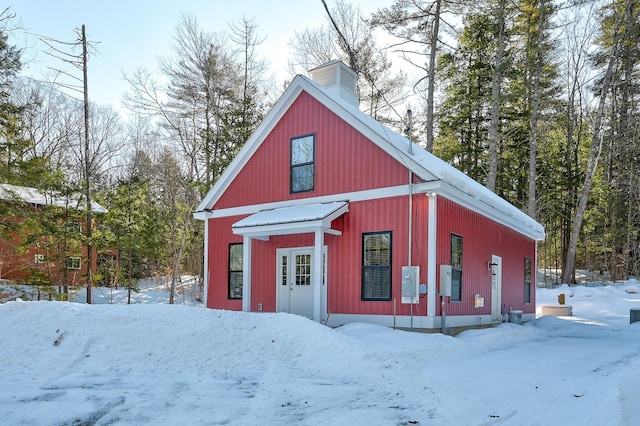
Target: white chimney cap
<point x="338" y="79"/>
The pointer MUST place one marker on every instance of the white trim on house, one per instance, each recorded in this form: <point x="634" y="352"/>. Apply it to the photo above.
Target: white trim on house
<point x="205" y="290"/>
<point x="458" y="186"/>
<point x="420" y="321"/>
<point x="432" y="242"/>
<point x="348" y="196"/>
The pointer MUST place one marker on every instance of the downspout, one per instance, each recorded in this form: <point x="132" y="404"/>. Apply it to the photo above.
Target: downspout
<point x="410" y="224"/>
<point x="410" y="189"/>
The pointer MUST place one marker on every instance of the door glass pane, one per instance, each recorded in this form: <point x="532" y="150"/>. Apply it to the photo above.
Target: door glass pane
<point x="284" y="270"/>
<point x="303" y="269"/>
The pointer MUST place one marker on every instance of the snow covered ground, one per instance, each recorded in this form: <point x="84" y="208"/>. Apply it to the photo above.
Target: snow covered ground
<point x="157" y="364"/>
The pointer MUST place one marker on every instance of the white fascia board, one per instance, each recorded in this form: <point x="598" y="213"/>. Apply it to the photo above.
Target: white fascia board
<point x="278" y="229"/>
<point x="529" y="228"/>
<point x="203" y="214"/>
<point x="371" y="194"/>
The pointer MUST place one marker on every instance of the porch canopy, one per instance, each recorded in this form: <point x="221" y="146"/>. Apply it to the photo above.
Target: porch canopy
<point x="297" y="219"/>
<point x="291" y="220"/>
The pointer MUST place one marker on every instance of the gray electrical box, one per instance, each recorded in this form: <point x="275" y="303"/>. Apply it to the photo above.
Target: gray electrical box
<point x="410" y="286"/>
<point x="445" y="280"/>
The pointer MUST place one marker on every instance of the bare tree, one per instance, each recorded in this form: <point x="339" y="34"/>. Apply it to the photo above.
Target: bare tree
<point x="416" y="24"/>
<point x="349" y="38"/>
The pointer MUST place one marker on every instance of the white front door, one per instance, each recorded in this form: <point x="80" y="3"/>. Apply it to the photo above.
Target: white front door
<point x="496" y="288"/>
<point x="295" y="286"/>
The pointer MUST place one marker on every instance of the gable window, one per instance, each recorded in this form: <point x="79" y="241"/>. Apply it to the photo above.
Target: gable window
<point x="376" y="266"/>
<point x="302" y="163"/>
<point x="456" y="268"/>
<point x="527" y="280"/>
<point x="235" y="271"/>
<point x="74" y="262"/>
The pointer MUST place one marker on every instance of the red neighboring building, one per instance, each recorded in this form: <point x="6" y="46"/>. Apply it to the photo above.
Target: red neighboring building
<point x="324" y="206"/>
<point x="19" y="263"/>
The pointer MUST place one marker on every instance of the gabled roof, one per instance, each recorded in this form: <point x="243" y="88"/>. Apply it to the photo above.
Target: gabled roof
<point x="440" y="177"/>
<point x="35" y="196"/>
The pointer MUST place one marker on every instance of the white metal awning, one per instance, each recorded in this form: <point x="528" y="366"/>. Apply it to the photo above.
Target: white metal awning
<point x="291" y="220"/>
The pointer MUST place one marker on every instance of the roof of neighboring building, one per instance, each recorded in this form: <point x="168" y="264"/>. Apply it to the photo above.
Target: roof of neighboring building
<point x="42" y="198"/>
<point x="439" y="175"/>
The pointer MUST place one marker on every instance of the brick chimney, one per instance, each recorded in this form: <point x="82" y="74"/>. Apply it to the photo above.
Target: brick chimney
<point x="338" y="79"/>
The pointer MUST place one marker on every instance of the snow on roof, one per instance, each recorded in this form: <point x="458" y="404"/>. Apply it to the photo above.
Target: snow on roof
<point x="35" y="196"/>
<point x="294" y="214"/>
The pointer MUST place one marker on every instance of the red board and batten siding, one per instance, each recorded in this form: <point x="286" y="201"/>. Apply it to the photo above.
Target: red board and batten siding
<point x="220" y="236"/>
<point x="346" y="161"/>
<point x="344" y="257"/>
<point x="482" y="238"/>
<point x="345" y="267"/>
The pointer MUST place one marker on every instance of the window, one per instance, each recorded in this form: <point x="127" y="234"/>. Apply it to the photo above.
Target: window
<point x="527" y="280"/>
<point x="302" y="163"/>
<point x="74" y="263"/>
<point x="38" y="258"/>
<point x="235" y="271"/>
<point x="74" y="227"/>
<point x="376" y="266"/>
<point x="456" y="268"/>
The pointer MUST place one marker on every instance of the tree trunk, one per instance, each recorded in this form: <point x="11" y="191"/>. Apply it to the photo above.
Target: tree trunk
<point x="494" y="137"/>
<point x="176" y="266"/>
<point x="594" y="152"/>
<point x="432" y="75"/>
<point x="87" y="166"/>
<point x="533" y="141"/>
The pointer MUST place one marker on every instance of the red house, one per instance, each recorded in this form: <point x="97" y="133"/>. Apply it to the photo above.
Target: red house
<point x="327" y="213"/>
<point x="58" y="260"/>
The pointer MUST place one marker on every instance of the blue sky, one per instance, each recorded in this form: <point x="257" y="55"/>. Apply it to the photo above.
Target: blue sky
<point x="133" y="33"/>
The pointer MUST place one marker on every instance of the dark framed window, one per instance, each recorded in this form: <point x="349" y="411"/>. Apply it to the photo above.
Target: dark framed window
<point x="303" y="170"/>
<point x="74" y="262"/>
<point x="527" y="280"/>
<point x="235" y="271"/>
<point x="456" y="268"/>
<point x="376" y="266"/>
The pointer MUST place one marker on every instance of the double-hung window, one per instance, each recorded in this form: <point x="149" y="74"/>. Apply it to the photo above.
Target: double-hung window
<point x="527" y="280"/>
<point x="376" y="266"/>
<point x="303" y="163"/>
<point x="456" y="268"/>
<point x="235" y="271"/>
